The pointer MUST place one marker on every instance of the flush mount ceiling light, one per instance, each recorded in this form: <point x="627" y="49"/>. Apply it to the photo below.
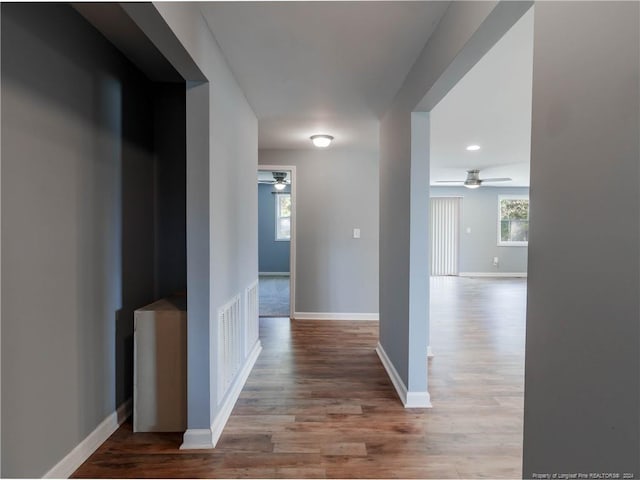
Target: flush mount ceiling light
<point x="321" y="141"/>
<point x="473" y="148"/>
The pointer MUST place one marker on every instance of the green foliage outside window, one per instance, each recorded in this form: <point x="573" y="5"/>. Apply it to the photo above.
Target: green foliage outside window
<point x="285" y="205"/>
<point x="514" y="220"/>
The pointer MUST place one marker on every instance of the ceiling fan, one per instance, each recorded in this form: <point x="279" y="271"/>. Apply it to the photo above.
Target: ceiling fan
<point x="279" y="181"/>
<point x="473" y="179"/>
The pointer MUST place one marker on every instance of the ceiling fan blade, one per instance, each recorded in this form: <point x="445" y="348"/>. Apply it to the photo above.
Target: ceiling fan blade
<point x="505" y="179"/>
<point x="266" y="182"/>
<point x="449" y="181"/>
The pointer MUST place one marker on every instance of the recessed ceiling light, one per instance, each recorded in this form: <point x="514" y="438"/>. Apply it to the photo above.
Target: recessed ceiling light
<point x="321" y="141"/>
<point x="473" y="148"/>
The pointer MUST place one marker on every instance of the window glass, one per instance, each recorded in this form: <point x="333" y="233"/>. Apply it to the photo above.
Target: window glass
<point x="283" y="216"/>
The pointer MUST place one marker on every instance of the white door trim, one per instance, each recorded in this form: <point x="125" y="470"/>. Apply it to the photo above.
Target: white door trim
<point x="292" y="244"/>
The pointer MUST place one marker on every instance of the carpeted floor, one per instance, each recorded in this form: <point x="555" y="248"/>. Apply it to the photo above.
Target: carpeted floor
<point x="274" y="296"/>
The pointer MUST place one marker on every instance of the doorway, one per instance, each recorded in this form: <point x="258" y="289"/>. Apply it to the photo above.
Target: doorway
<point x="477" y="298"/>
<point x="276" y="240"/>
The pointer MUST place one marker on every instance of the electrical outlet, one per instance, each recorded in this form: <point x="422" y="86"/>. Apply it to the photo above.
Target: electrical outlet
<point x="495" y="261"/>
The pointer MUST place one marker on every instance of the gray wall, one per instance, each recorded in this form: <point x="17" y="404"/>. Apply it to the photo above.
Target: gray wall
<point x="337" y="190"/>
<point x="199" y="328"/>
<point x="480" y="214"/>
<point x="77" y="230"/>
<point x="222" y="160"/>
<point x="273" y="255"/>
<point x="582" y="370"/>
<point x="465" y="33"/>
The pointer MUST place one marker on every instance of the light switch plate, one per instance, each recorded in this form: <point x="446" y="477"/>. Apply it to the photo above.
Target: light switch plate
<point x="356" y="233"/>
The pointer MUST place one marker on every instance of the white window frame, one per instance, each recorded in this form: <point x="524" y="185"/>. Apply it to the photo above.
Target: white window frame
<point x="278" y="195"/>
<point x="523" y="243"/>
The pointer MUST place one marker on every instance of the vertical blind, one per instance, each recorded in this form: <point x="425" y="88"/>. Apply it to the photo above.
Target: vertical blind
<point x="445" y="235"/>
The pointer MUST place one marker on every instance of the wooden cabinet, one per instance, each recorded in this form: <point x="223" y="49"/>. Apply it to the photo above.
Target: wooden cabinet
<point x="160" y="367"/>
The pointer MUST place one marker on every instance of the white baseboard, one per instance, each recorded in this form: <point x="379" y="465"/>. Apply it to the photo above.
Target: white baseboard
<point x="274" y="274"/>
<point x="493" y="274"/>
<point x="76" y="457"/>
<point x="335" y="316"/>
<point x="196" y="438"/>
<point x="234" y="392"/>
<point x="409" y="399"/>
<point x="418" y="400"/>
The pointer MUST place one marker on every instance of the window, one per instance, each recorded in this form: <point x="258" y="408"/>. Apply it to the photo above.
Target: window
<point x="283" y="216"/>
<point x="513" y="220"/>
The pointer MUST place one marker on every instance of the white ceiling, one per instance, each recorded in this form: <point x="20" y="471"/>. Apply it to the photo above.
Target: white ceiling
<point x="321" y="67"/>
<point x="334" y="67"/>
<point x="491" y="107"/>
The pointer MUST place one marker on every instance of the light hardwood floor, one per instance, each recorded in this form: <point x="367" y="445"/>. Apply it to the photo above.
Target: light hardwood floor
<point x="318" y="403"/>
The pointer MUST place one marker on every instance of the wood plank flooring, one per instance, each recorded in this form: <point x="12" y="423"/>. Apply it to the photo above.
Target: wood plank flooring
<point x="318" y="403"/>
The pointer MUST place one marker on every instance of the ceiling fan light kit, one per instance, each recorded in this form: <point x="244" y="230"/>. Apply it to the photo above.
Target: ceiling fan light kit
<point x="279" y="181"/>
<point x="473" y="179"/>
<point x="321" y="141"/>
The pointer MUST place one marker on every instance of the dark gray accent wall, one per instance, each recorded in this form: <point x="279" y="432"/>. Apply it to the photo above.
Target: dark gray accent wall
<point x="582" y="369"/>
<point x="77" y="230"/>
<point x="273" y="255"/>
<point x="93" y="226"/>
<point x="200" y="331"/>
<point x="480" y="245"/>
<point x="113" y="21"/>
<point x="170" y="148"/>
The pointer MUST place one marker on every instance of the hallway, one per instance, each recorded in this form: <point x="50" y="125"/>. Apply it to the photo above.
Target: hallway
<point x="319" y="404"/>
